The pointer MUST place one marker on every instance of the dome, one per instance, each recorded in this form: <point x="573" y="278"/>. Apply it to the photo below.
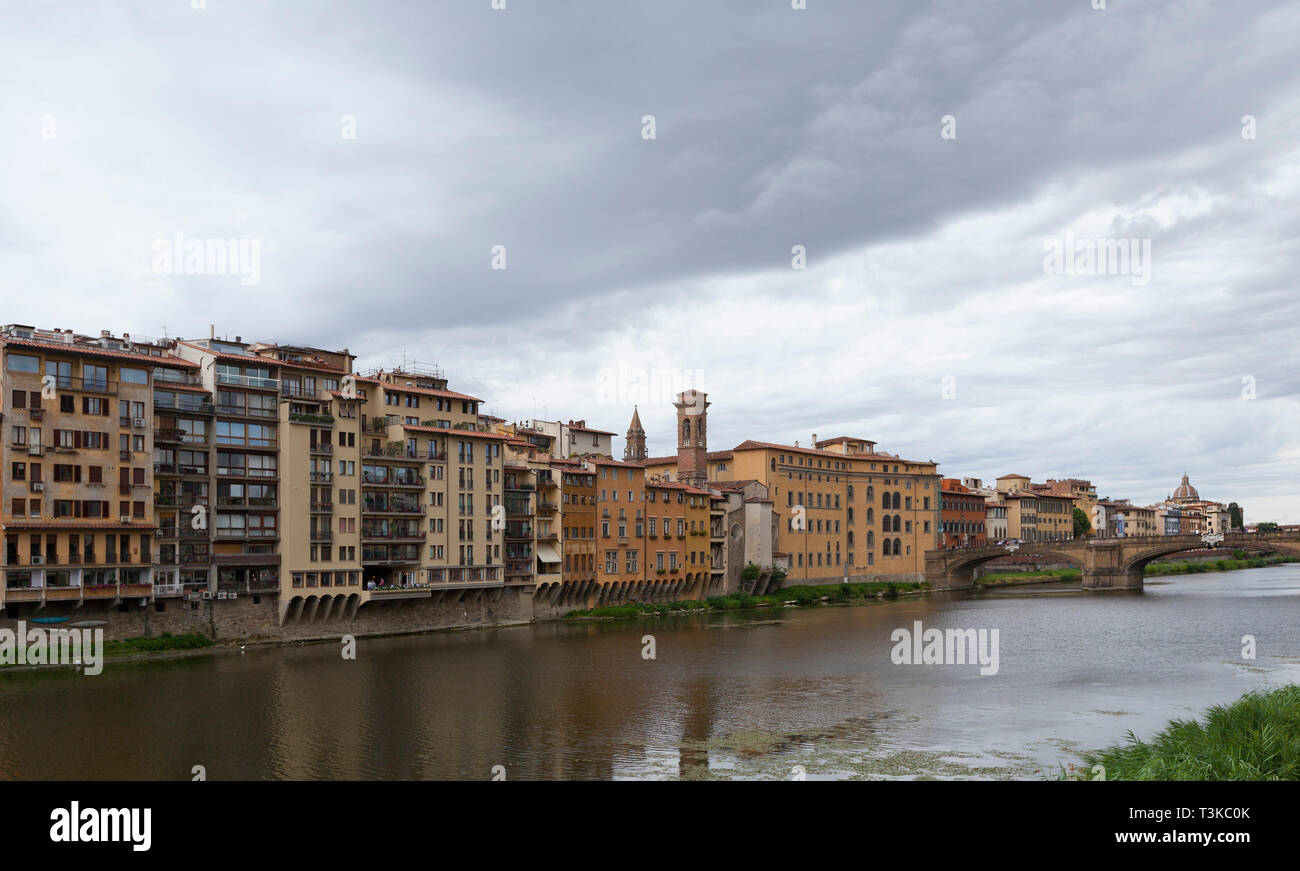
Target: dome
<point x="1186" y="492"/>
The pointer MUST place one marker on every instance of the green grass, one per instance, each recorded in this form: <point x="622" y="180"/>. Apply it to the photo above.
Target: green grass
<point x="1256" y="737"/>
<point x="1152" y="569"/>
<point x="1002" y="578"/>
<point x="801" y="595"/>
<point x="166" y="641"/>
<point x="1220" y="565"/>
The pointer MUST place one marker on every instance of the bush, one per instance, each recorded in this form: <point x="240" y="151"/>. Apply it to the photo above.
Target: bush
<point x="1256" y="737"/>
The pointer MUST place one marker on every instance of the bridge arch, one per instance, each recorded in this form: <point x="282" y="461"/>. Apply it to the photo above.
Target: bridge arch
<point x="961" y="563"/>
<point x="1137" y="562"/>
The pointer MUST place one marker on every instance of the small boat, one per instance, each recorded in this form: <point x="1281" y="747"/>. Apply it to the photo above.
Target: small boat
<point x="86" y="624"/>
<point x="48" y="620"/>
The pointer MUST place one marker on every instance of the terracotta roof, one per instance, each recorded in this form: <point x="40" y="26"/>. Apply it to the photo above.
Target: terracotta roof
<point x="426" y="391"/>
<point x="459" y="433"/>
<point x="75" y="524"/>
<point x="600" y="460"/>
<point x="92" y="351"/>
<point x="752" y="445"/>
<point x="841" y="439"/>
<point x="1013" y="475"/>
<point x="222" y="355"/>
<point x="589" y="429"/>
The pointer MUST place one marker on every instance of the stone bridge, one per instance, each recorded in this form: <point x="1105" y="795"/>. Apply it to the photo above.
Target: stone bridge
<point x="1107" y="563"/>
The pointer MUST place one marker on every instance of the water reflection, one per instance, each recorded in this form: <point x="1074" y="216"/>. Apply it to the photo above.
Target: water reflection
<point x="728" y="695"/>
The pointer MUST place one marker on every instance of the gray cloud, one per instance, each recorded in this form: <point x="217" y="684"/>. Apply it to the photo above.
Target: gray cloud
<point x="775" y="127"/>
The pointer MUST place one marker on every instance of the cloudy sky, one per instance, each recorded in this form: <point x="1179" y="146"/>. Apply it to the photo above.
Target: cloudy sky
<point x="926" y="156"/>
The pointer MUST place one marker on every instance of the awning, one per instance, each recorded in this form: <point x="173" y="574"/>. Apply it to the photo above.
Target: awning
<point x="548" y="553"/>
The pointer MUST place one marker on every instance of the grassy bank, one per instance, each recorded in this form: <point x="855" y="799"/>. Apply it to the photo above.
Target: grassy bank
<point x="1185" y="567"/>
<point x="1001" y="579"/>
<point x="166" y="641"/>
<point x="802" y="595"/>
<point x="1256" y="737"/>
<point x="1219" y="565"/>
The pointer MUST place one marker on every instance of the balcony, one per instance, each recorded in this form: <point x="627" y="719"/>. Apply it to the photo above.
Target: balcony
<point x="391" y="509"/>
<point x="322" y="535"/>
<point x="87" y="385"/>
<point x="322" y="477"/>
<point x="392" y="480"/>
<point x="174" y="533"/>
<point x="393" y="535"/>
<point x="181" y="469"/>
<point x="321" y="449"/>
<point x="547" y="507"/>
<point x="202" y="407"/>
<point x="242" y="411"/>
<point x="248" y="381"/>
<point x="322" y="507"/>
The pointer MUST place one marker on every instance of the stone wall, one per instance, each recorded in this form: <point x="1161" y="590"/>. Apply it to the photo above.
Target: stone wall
<point x="256" y="618"/>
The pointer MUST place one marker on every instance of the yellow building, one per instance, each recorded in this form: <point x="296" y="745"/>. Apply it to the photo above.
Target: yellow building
<point x="845" y="509"/>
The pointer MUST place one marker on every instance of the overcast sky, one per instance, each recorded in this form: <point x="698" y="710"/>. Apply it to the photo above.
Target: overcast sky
<point x="379" y="151"/>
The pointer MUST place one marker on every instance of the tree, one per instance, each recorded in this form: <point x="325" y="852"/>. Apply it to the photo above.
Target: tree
<point x="1234" y="516"/>
<point x="1082" y="526"/>
<point x="1266" y="526"/>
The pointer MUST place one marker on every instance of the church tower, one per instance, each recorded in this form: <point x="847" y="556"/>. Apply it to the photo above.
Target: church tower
<point x="634" y="451"/>
<point x="692" y="437"/>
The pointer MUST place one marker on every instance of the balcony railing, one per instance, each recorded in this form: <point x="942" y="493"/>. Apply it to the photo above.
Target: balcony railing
<point x="248" y="381"/>
<point x="199" y="407"/>
<point x="92" y="385"/>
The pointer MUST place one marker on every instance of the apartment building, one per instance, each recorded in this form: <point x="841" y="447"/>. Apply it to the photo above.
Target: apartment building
<point x="963" y="516"/>
<point x="78" y="419"/>
<point x="846" y="509"/>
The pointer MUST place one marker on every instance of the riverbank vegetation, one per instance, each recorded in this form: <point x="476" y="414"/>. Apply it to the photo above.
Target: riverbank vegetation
<point x="1256" y="737"/>
<point x="801" y="595"/>
<point x="166" y="641"/>
<point x="1239" y="560"/>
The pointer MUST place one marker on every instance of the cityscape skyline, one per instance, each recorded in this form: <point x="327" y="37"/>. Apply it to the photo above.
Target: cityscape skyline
<point x="925" y="314"/>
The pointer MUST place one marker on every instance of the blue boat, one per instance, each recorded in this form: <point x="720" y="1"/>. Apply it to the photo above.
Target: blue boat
<point x="48" y="620"/>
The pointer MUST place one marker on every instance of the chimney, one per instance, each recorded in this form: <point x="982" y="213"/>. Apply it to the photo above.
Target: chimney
<point x="814" y="440"/>
<point x="212" y="331"/>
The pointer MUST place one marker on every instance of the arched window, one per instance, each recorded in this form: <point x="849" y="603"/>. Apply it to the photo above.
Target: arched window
<point x="850" y="516"/>
<point x="850" y="492"/>
<point x="871" y="515"/>
<point x="850" y="539"/>
<point x="871" y="538"/>
<point x="898" y="501"/>
<point x="686" y="432"/>
<point x="884" y="499"/>
<point x="885" y="547"/>
<point x="898" y="547"/>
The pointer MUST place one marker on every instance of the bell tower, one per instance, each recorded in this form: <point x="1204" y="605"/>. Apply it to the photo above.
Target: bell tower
<point x="634" y="451"/>
<point x="692" y="437"/>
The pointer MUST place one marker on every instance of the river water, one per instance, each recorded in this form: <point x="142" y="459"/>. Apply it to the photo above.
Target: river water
<point x="784" y="693"/>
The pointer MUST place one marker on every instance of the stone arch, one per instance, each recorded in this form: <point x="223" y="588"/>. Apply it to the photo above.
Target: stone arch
<point x="962" y="568"/>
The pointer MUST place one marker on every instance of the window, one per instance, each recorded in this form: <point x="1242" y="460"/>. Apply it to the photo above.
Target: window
<point x="22" y="363"/>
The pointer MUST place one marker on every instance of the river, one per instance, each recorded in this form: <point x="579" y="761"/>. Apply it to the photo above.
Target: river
<point x="794" y="692"/>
